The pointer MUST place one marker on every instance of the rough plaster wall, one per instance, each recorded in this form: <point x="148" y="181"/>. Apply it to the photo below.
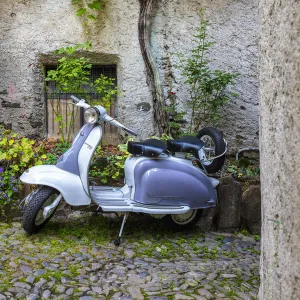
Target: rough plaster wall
<point x="30" y="27"/>
<point x="279" y="145"/>
<point x="27" y="28"/>
<point x="235" y="30"/>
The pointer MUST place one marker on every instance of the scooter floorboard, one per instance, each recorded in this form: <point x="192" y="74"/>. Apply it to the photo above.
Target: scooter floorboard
<point x="114" y="200"/>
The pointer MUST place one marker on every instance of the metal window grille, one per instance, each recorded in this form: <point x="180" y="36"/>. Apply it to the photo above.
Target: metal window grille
<point x="62" y="102"/>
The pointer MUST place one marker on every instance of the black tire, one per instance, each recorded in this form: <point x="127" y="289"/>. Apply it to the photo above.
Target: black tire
<point x="173" y="224"/>
<point x="219" y="147"/>
<point x="33" y="208"/>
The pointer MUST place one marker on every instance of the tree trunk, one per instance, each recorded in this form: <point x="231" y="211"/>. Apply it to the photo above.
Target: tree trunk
<point x="160" y="116"/>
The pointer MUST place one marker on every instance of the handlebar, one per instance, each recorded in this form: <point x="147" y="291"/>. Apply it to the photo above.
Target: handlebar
<point x="114" y="122"/>
<point x="130" y="131"/>
<point x="103" y="115"/>
<point x="75" y="98"/>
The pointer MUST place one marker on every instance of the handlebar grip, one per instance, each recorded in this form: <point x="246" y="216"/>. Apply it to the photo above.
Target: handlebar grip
<point x="130" y="131"/>
<point x="75" y="98"/>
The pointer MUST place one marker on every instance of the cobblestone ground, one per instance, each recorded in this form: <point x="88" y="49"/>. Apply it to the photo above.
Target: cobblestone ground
<point x="77" y="260"/>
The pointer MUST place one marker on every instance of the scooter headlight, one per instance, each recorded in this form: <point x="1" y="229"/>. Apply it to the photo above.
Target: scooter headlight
<point x="91" y="115"/>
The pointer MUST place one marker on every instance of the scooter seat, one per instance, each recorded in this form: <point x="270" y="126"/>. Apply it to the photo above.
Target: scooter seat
<point x="149" y="148"/>
<point x="188" y="144"/>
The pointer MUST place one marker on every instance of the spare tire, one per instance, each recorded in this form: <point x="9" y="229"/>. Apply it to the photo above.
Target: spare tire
<point x="214" y="146"/>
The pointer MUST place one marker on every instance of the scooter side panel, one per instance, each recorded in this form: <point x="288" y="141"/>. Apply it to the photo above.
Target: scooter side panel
<point x="69" y="160"/>
<point x="169" y="182"/>
<point x="68" y="184"/>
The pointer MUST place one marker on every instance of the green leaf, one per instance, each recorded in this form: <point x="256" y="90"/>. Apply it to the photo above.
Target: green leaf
<point x="81" y="12"/>
<point x="95" y="5"/>
<point x="91" y="17"/>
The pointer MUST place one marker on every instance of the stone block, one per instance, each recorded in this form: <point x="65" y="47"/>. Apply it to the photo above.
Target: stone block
<point x="251" y="209"/>
<point x="229" y="203"/>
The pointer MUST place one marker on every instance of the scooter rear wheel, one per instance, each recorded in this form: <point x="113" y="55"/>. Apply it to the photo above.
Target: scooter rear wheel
<point x="214" y="146"/>
<point x="36" y="214"/>
<point x="183" y="221"/>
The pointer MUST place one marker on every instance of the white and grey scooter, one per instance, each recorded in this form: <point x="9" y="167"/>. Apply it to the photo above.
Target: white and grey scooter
<point x="159" y="180"/>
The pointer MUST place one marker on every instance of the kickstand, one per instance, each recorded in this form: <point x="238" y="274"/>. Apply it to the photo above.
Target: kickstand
<point x="118" y="239"/>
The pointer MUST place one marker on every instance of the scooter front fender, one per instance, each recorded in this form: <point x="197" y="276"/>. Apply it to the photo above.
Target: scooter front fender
<point x="68" y="184"/>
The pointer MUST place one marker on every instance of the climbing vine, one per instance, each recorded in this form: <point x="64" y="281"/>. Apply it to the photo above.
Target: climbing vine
<point x="161" y="115"/>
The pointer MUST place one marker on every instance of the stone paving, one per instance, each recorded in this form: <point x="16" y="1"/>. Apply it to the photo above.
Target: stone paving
<point x="76" y="259"/>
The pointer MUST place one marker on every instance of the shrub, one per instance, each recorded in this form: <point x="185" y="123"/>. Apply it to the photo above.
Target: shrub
<point x="208" y="88"/>
<point x="16" y="155"/>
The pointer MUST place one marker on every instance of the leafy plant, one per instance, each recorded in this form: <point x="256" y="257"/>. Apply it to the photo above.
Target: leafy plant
<point x="106" y="90"/>
<point x="16" y="155"/>
<point x="208" y="92"/>
<point x="72" y="76"/>
<point x="176" y="118"/>
<point x="243" y="167"/>
<point x="89" y="9"/>
<point x="164" y="137"/>
<point x="108" y="163"/>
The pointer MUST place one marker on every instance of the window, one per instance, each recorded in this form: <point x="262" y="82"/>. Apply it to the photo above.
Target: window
<point x="61" y="102"/>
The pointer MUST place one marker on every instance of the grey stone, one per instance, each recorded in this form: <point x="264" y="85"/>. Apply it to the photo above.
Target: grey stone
<point x="60" y="289"/>
<point x="251" y="210"/>
<point x="46" y="294"/>
<point x="182" y="297"/>
<point x="197" y="297"/>
<point x="39" y="272"/>
<point x="40" y="283"/>
<point x="69" y="291"/>
<point x="13" y="265"/>
<point x="228" y="276"/>
<point x="230" y="197"/>
<point x="129" y="253"/>
<point x="135" y="292"/>
<point x="33" y="297"/>
<point x="26" y="269"/>
<point x="84" y="289"/>
<point x="22" y="285"/>
<point x="205" y="293"/>
<point x="93" y="278"/>
<point x="30" y="279"/>
<point x="96" y="289"/>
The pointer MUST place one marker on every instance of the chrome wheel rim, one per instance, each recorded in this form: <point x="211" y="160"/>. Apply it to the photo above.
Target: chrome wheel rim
<point x="47" y="209"/>
<point x="209" y="149"/>
<point x="183" y="219"/>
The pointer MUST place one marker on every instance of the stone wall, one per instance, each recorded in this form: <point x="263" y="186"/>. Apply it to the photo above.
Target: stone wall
<point x="279" y="145"/>
<point x="33" y="28"/>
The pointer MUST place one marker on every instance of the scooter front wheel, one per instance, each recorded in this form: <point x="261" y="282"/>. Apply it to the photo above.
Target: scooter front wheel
<point x="40" y="207"/>
<point x="183" y="221"/>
